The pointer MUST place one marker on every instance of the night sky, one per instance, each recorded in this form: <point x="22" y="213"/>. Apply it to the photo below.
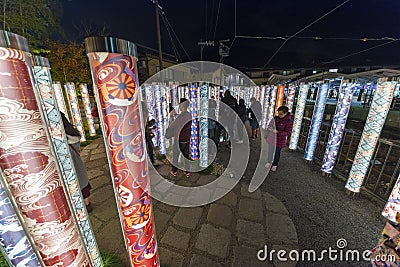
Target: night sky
<point x="193" y="21"/>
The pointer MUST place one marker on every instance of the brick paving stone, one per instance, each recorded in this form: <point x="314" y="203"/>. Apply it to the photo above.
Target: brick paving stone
<point x="95" y="222"/>
<point x="273" y="204"/>
<point x="250" y="233"/>
<point x="286" y="262"/>
<point x="97" y="156"/>
<point x="280" y="229"/>
<point x="246" y="257"/>
<point x="102" y="194"/>
<point x="106" y="210"/>
<point x="164" y="170"/>
<point x="99" y="182"/>
<point x="170" y="258"/>
<point x="200" y="197"/>
<point x="184" y="183"/>
<point x="99" y="150"/>
<point x="92" y="173"/>
<point x="176" y="239"/>
<point x="229" y="199"/>
<point x="251" y="209"/>
<point x="220" y="215"/>
<point x="215" y="241"/>
<point x="205" y="179"/>
<point x="91" y="146"/>
<point x="166" y="208"/>
<point x="84" y="152"/>
<point x="245" y="192"/>
<point x="161" y="219"/>
<point x="188" y="217"/>
<point x="93" y="164"/>
<point x="201" y="261"/>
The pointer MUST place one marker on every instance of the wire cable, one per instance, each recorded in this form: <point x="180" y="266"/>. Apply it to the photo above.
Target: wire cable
<point x="216" y="22"/>
<point x="317" y="38"/>
<point x="301" y="30"/>
<point x="177" y="56"/>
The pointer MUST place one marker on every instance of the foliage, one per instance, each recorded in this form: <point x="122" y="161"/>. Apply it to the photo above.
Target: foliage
<point x="69" y="63"/>
<point x="110" y="260"/>
<point x="3" y="261"/>
<point x="37" y="20"/>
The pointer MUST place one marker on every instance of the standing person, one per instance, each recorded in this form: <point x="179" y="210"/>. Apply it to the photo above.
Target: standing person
<point x="181" y="136"/>
<point x="231" y="102"/>
<point x="73" y="137"/>
<point x="277" y="137"/>
<point x="255" y="111"/>
<point x="148" y="134"/>
<point x="242" y="113"/>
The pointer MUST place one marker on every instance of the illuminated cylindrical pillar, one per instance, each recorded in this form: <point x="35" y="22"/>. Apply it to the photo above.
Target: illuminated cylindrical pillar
<point x="279" y="98"/>
<point x="150" y="101"/>
<point x="392" y="207"/>
<point x="203" y="126"/>
<point x="165" y="113"/>
<point x="88" y="108"/>
<point x="159" y="119"/>
<point x="316" y="121"/>
<point x="337" y="129"/>
<point x="75" y="109"/>
<point x="262" y="96"/>
<point x="13" y="238"/>
<point x="28" y="164"/>
<point x="271" y="109"/>
<point x="53" y="120"/>
<point x="373" y="126"/>
<point x="290" y="97"/>
<point x="267" y="100"/>
<point x="194" y="131"/>
<point x="298" y="116"/>
<point x="60" y="98"/>
<point x="175" y="99"/>
<point x="115" y="83"/>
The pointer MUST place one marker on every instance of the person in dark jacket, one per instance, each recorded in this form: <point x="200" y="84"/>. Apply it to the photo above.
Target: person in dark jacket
<point x="148" y="134"/>
<point x="231" y="102"/>
<point x="181" y="136"/>
<point x="242" y="113"/>
<point x="73" y="138"/>
<point x="255" y="113"/>
<point x="278" y="136"/>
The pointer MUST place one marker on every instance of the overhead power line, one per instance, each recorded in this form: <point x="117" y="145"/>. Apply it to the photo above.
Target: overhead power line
<point x="317" y="38"/>
<point x="216" y="22"/>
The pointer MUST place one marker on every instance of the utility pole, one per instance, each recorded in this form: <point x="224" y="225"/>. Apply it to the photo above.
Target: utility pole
<point x="158" y="34"/>
<point x="202" y="45"/>
<point x="223" y="52"/>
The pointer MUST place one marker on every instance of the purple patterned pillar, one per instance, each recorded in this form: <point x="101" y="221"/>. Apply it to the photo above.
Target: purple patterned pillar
<point x="87" y="108"/>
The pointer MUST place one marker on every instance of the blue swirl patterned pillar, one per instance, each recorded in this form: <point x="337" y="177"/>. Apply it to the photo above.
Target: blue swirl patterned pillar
<point x="316" y="121"/>
<point x="203" y="126"/>
<point x="87" y="108"/>
<point x="194" y="132"/>
<point x="75" y="110"/>
<point x="290" y="97"/>
<point x="271" y="108"/>
<point x="392" y="207"/>
<point x="159" y="118"/>
<point x="267" y="100"/>
<point x="298" y="116"/>
<point x="373" y="126"/>
<point x="60" y="98"/>
<point x="16" y="244"/>
<point x="44" y="93"/>
<point x="339" y="122"/>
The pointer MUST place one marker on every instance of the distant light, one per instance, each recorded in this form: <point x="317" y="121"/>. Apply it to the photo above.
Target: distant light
<point x="333" y="70"/>
<point x="314" y="71"/>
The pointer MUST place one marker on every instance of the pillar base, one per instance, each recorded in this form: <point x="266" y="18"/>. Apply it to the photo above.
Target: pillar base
<point x="352" y="195"/>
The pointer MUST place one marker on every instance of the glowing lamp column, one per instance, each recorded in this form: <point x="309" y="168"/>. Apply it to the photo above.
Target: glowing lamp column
<point x="373" y="126"/>
<point x="75" y="110"/>
<point x="203" y="126"/>
<point x="271" y="110"/>
<point x="53" y="120"/>
<point x="26" y="159"/>
<point x="159" y="119"/>
<point x="194" y="132"/>
<point x="279" y="98"/>
<point x="113" y="62"/>
<point x="88" y="109"/>
<point x="392" y="207"/>
<point x="267" y="100"/>
<point x="290" y="97"/>
<point x="316" y="121"/>
<point x="298" y="116"/>
<point x="338" y="125"/>
<point x="60" y="98"/>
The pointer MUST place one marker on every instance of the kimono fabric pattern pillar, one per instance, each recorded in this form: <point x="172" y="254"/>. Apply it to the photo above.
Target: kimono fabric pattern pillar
<point x="204" y="126"/>
<point x="338" y="125"/>
<point x="373" y="126"/>
<point x="26" y="159"/>
<point x="75" y="110"/>
<point x="194" y="131"/>
<point x="392" y="207"/>
<point x="267" y="100"/>
<point x="290" y="97"/>
<point x="53" y="120"/>
<point x="271" y="108"/>
<point x="16" y="244"/>
<point x="160" y="118"/>
<point x="316" y="121"/>
<point x="60" y="98"/>
<point x="87" y="108"/>
<point x="115" y="81"/>
<point x="298" y="116"/>
<point x="279" y="98"/>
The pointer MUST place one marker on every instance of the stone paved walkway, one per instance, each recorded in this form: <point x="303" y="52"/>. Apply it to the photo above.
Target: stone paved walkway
<point x="228" y="232"/>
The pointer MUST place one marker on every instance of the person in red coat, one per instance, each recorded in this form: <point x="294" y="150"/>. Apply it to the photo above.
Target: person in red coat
<point x="277" y="137"/>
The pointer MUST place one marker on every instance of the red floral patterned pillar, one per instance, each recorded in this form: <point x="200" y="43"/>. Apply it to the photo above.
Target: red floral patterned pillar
<point x="115" y="82"/>
<point x="28" y="163"/>
<point x="279" y="98"/>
